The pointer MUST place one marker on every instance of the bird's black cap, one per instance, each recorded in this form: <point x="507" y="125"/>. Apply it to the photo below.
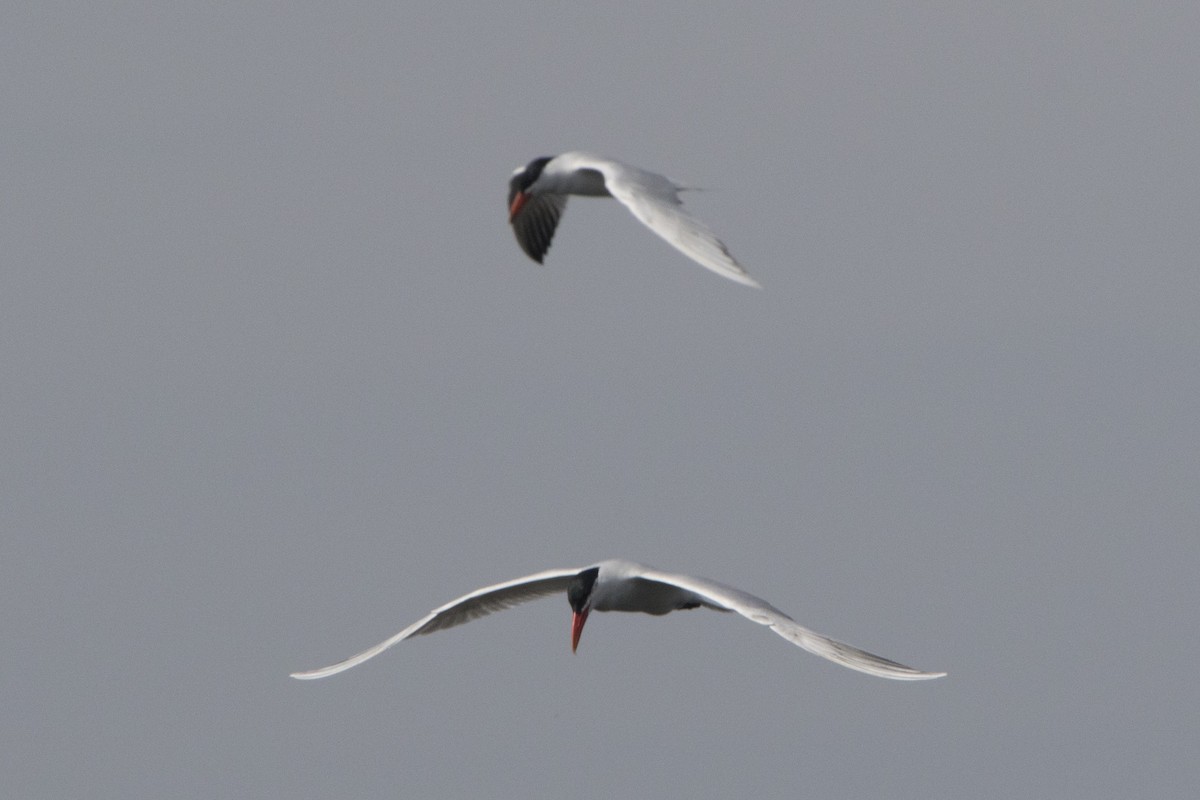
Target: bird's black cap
<point x="580" y="588"/>
<point x="525" y="177"/>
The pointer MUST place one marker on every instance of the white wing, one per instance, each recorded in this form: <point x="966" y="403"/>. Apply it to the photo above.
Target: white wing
<point x="762" y="612"/>
<point x="466" y="608"/>
<point x="654" y="200"/>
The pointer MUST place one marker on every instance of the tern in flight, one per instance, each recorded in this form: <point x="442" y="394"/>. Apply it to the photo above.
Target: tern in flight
<point x="537" y="196"/>
<point x="625" y="586"/>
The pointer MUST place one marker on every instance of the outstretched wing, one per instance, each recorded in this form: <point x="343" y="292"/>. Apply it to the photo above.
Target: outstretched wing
<point x="762" y="612"/>
<point x="478" y="603"/>
<point x="654" y="200"/>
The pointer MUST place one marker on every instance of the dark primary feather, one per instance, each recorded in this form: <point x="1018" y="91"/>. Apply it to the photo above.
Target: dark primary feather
<point x="534" y="225"/>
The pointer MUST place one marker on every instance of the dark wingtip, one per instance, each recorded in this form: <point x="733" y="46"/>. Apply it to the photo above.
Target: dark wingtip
<point x="535" y="222"/>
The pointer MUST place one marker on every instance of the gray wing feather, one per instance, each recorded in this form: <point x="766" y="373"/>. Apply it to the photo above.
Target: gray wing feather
<point x="478" y="603"/>
<point x="655" y="202"/>
<point x="534" y="226"/>
<point x="762" y="612"/>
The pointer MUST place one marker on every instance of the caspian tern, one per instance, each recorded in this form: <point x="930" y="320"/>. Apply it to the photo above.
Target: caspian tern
<point x="625" y="586"/>
<point x="537" y="196"/>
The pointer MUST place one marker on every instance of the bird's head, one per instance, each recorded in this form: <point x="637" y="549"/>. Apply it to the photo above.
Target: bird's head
<point x="522" y="179"/>
<point x="579" y="595"/>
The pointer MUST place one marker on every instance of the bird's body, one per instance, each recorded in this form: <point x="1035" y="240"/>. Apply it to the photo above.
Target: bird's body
<point x="617" y="585"/>
<point x="538" y="195"/>
<point x="626" y="586"/>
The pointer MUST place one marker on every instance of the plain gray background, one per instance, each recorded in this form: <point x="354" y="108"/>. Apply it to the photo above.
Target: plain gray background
<point x="277" y="380"/>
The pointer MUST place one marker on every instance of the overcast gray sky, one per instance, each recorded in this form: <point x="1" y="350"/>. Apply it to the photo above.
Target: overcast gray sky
<point x="278" y="380"/>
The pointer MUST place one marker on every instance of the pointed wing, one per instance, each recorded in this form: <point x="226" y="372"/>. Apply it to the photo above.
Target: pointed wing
<point x="762" y="612"/>
<point x="478" y="603"/>
<point x="654" y="200"/>
<point x="535" y="223"/>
